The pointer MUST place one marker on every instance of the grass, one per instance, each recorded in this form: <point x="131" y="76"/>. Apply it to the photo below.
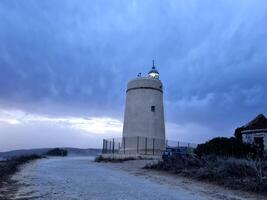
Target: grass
<point x="239" y="174"/>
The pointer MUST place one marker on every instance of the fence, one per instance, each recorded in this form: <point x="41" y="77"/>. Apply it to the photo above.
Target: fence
<point x="142" y="145"/>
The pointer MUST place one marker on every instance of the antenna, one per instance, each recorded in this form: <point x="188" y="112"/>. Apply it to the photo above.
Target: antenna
<point x="153" y="64"/>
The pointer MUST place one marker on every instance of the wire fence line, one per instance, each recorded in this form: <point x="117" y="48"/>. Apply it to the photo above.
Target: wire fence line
<point x="142" y="145"/>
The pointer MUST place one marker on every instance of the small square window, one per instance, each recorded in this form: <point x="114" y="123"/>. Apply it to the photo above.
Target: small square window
<point x="153" y="108"/>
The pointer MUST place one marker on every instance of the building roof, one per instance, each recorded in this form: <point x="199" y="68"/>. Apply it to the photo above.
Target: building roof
<point x="260" y="122"/>
<point x="153" y="70"/>
<point x="254" y="131"/>
<point x="153" y="73"/>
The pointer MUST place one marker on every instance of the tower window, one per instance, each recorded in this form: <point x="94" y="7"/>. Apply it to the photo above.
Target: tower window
<point x="153" y="108"/>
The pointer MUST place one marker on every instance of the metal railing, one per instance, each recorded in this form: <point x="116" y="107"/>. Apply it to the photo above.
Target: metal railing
<point x="142" y="145"/>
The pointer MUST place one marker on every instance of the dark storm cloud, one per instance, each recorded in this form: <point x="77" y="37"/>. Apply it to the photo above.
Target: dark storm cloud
<point x="75" y="57"/>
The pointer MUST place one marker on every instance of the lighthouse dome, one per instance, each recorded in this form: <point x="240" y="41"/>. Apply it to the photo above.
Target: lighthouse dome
<point x="153" y="73"/>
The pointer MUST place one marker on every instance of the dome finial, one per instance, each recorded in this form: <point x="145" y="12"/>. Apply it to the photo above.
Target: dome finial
<point x="153" y="73"/>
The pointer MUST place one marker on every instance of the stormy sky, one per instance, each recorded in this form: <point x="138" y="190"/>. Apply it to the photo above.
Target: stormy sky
<point x="64" y="67"/>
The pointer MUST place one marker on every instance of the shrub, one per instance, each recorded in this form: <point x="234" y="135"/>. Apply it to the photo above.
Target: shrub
<point x="57" y="152"/>
<point x="222" y="146"/>
<point x="235" y="173"/>
<point x="238" y="133"/>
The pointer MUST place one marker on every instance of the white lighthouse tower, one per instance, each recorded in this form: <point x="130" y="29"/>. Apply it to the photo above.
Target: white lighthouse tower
<point x="144" y="124"/>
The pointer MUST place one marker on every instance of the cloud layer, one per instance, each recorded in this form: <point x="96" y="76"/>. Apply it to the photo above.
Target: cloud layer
<point x="74" y="58"/>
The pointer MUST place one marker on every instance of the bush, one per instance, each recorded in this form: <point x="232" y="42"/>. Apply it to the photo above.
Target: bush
<point x="238" y="133"/>
<point x="177" y="163"/>
<point x="57" y="152"/>
<point x="227" y="147"/>
<point x="243" y="174"/>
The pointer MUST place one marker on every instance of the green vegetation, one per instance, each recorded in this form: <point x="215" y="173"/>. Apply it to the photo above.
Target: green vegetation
<point x="57" y="152"/>
<point x="228" y="147"/>
<point x="225" y="161"/>
<point x="234" y="173"/>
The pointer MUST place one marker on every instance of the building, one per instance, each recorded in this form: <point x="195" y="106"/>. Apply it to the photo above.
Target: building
<point x="144" y="126"/>
<point x="258" y="136"/>
<point x="255" y="132"/>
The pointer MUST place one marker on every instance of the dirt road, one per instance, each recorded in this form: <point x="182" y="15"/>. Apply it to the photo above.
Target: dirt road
<point x="81" y="178"/>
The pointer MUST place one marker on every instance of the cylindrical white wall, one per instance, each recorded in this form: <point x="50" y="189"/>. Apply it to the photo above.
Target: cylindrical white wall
<point x="144" y="113"/>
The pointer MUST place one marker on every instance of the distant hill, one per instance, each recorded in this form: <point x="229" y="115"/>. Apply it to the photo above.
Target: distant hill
<point x="41" y="151"/>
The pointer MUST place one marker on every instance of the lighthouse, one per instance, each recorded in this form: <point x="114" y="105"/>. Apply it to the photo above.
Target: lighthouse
<point x="144" y="125"/>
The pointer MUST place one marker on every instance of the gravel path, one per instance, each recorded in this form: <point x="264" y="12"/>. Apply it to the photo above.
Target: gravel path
<point x="81" y="178"/>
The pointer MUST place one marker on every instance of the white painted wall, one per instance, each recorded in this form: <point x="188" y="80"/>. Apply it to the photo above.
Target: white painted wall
<point x="139" y="120"/>
<point x="249" y="138"/>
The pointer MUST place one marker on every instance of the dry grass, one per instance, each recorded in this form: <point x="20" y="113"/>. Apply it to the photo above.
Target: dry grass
<point x="100" y="158"/>
<point x="241" y="174"/>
